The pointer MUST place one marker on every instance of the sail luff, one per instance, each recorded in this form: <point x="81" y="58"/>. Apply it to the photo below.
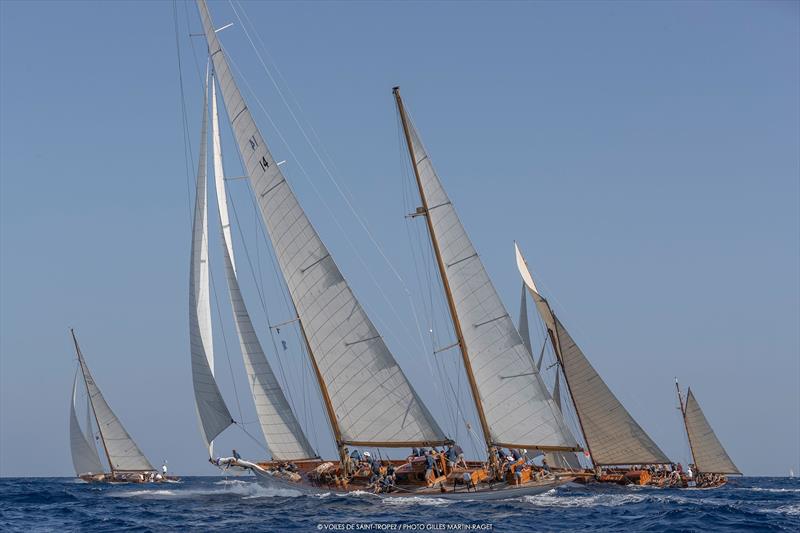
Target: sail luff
<point x="368" y="397"/>
<point x="85" y="458"/>
<point x="707" y="451"/>
<point x="284" y="436"/>
<point x="509" y="394"/>
<point x="212" y="412"/>
<point x="122" y="452"/>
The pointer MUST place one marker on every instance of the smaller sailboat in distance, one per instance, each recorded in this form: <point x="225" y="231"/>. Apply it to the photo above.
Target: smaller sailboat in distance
<point x="127" y="463"/>
<point x="711" y="462"/>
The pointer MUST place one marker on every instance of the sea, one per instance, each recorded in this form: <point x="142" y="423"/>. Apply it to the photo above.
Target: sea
<point x="240" y="504"/>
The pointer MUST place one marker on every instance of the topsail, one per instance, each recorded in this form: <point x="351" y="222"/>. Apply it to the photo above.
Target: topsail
<point x="517" y="410"/>
<point x="285" y="439"/>
<point x="611" y="433"/>
<point x="84" y="452"/>
<point x="369" y="401"/>
<point x="123" y="454"/>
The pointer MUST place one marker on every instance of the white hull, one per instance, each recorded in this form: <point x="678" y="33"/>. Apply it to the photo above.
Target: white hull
<point x="498" y="491"/>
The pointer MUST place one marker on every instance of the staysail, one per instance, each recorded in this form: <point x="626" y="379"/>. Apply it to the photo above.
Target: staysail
<point x="612" y="435"/>
<point x="123" y="454"/>
<point x="709" y="455"/>
<point x="84" y="453"/>
<point x="369" y="401"/>
<point x="212" y="412"/>
<point x="282" y="432"/>
<point x="516" y="408"/>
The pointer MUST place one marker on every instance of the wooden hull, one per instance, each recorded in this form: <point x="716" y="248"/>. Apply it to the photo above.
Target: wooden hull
<point x="484" y="491"/>
<point x="118" y="479"/>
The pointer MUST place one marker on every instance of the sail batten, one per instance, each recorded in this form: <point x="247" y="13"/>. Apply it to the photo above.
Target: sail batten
<point x="123" y="453"/>
<point x="612" y="435"/>
<point x="514" y="409"/>
<point x="213" y="414"/>
<point x="284" y="437"/>
<point x="85" y="458"/>
<point x="709" y="455"/>
<point x="368" y="397"/>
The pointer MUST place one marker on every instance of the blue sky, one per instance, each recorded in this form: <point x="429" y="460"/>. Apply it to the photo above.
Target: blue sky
<point x="645" y="156"/>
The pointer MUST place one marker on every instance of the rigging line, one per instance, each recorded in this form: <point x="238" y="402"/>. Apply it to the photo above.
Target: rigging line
<point x="191" y="42"/>
<point x="260" y="295"/>
<point x="330" y="175"/>
<point x="260" y="444"/>
<point x="188" y="164"/>
<point x="332" y="215"/>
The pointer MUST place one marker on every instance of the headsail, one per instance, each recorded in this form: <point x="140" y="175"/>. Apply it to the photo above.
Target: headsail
<point x="524" y="329"/>
<point x="611" y="433"/>
<point x="709" y="455"/>
<point x="282" y="432"/>
<point x="211" y="409"/>
<point x="517" y="409"/>
<point x="123" y="454"/>
<point x="84" y="452"/>
<point x="368" y="398"/>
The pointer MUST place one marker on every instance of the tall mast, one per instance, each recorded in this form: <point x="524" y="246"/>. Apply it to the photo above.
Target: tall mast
<point x="440" y="262"/>
<point x="683" y="415"/>
<point x="97" y="421"/>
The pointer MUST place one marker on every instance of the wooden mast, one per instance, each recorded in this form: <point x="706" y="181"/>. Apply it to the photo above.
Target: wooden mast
<point x="685" y="426"/>
<point x="81" y="362"/>
<point x="337" y="434"/>
<point x="450" y="301"/>
<point x="557" y="349"/>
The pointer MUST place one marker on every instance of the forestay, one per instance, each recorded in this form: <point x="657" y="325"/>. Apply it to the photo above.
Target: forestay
<point x="212" y="412"/>
<point x="84" y="453"/>
<point x="285" y="439"/>
<point x="370" y="401"/>
<point x="517" y="408"/>
<point x="123" y="454"/>
<point x="709" y="455"/>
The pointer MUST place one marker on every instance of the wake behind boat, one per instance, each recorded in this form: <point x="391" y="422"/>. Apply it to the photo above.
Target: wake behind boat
<point x="127" y="463"/>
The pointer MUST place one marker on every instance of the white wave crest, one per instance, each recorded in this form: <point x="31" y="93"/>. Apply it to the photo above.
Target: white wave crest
<point x="415" y="500"/>
<point x="243" y="489"/>
<point x="550" y="499"/>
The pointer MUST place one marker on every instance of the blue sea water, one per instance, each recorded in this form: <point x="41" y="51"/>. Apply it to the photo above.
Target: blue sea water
<point x="215" y="504"/>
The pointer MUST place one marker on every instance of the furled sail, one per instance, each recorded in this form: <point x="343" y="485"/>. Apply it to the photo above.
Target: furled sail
<point x="709" y="455"/>
<point x="282" y="432"/>
<point x="517" y="408"/>
<point x="211" y="409"/>
<point x="84" y="453"/>
<point x="611" y="433"/>
<point x="368" y="398"/>
<point x="123" y="454"/>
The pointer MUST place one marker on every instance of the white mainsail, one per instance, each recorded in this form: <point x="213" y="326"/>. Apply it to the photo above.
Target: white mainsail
<point x="84" y="453"/>
<point x="368" y="398"/>
<point x="123" y="454"/>
<point x="517" y="408"/>
<point x="212" y="412"/>
<point x="282" y="432"/>
<point x="611" y="433"/>
<point x="709" y="455"/>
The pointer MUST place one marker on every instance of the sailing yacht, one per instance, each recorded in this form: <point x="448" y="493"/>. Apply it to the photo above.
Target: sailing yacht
<point x="368" y="400"/>
<point x="127" y="463"/>
<point x="619" y="449"/>
<point x="711" y="463"/>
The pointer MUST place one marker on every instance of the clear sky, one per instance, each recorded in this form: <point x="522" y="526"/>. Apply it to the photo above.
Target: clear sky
<point x="645" y="156"/>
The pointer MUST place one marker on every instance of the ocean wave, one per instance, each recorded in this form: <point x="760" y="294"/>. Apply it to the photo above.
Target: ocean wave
<point x="415" y="500"/>
<point x="244" y="489"/>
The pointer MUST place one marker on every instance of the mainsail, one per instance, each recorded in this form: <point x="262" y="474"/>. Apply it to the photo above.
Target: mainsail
<point x="211" y="409"/>
<point x="709" y="455"/>
<point x="368" y="399"/>
<point x="84" y="453"/>
<point x="123" y="454"/>
<point x="612" y="435"/>
<point x="512" y="401"/>
<point x="285" y="439"/>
